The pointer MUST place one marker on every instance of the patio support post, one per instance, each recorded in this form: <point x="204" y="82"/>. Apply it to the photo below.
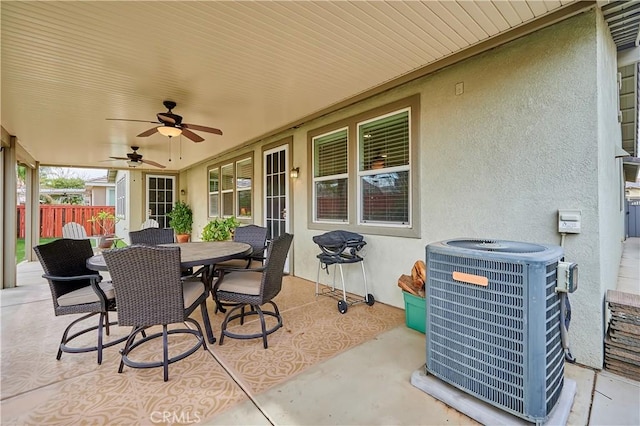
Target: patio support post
<point x="32" y="212"/>
<point x="8" y="227"/>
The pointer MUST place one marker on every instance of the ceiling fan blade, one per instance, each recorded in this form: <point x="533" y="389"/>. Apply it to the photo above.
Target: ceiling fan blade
<point x="148" y="132"/>
<point x="202" y="128"/>
<point x="153" y="163"/>
<point x="191" y="135"/>
<point x="119" y="158"/>
<point x="137" y="121"/>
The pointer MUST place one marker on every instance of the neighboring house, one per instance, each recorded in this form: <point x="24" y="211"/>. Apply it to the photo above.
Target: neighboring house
<point x="100" y="191"/>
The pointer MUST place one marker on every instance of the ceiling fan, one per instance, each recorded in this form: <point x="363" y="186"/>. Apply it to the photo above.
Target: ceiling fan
<point x="171" y="125"/>
<point x="134" y="159"/>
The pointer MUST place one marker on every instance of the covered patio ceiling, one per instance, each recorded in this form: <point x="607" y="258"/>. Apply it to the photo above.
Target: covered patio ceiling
<point x="248" y="68"/>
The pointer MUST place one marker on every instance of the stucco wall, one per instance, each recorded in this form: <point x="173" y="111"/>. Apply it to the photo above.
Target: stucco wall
<point x="610" y="186"/>
<point x="524" y="140"/>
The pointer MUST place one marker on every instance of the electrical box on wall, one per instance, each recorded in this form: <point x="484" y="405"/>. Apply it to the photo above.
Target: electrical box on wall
<point x="569" y="221"/>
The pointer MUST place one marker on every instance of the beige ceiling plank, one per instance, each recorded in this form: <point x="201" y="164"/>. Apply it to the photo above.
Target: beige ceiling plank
<point x="444" y="32"/>
<point x="334" y="37"/>
<point x="471" y="21"/>
<point x="493" y="14"/>
<point x="554" y="4"/>
<point x="508" y="12"/>
<point x="433" y="46"/>
<point x="452" y="21"/>
<point x="418" y="13"/>
<point x="538" y="7"/>
<point x="390" y="23"/>
<point x="480" y="17"/>
<point x="354" y="13"/>
<point x="522" y="9"/>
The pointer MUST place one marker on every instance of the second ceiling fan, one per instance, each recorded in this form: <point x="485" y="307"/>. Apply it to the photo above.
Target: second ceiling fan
<point x="134" y="159"/>
<point x="171" y="125"/>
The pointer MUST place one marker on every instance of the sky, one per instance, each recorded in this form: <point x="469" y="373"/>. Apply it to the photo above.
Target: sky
<point x="80" y="173"/>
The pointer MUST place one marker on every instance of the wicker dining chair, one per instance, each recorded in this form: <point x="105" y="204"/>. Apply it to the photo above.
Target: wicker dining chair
<point x="152" y="236"/>
<point x="150" y="291"/>
<point x="256" y="237"/>
<point x="254" y="287"/>
<point x="77" y="290"/>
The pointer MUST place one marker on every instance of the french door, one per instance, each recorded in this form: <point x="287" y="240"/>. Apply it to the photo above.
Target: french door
<point x="160" y="198"/>
<point x="276" y="192"/>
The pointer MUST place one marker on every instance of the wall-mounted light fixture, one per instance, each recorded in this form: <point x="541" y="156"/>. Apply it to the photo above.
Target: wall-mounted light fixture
<point x="294" y="172"/>
<point x="183" y="192"/>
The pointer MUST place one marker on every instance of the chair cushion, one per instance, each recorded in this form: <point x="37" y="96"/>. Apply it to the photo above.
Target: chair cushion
<point x="241" y="282"/>
<point x="192" y="289"/>
<point x="86" y="295"/>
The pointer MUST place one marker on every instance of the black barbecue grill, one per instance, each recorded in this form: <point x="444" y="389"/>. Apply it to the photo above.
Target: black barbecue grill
<point x="337" y="248"/>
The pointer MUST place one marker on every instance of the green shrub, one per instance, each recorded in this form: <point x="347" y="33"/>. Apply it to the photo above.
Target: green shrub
<point x="181" y="218"/>
<point x="219" y="229"/>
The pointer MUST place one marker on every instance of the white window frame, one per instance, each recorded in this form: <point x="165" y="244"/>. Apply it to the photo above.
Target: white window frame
<point x="330" y="177"/>
<point x="361" y="173"/>
<point x="213" y="193"/>
<point x="239" y="189"/>
<point x="121" y="197"/>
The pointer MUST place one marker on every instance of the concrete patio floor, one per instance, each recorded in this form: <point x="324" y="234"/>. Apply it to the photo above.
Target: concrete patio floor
<point x="370" y="383"/>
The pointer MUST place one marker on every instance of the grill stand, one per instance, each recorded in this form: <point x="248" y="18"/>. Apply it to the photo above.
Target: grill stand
<point x="344" y="299"/>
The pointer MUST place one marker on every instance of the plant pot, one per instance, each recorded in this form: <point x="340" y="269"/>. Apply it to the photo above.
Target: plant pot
<point x="104" y="243"/>
<point x="183" y="238"/>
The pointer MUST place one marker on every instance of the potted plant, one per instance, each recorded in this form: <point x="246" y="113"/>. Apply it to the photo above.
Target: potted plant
<point x="219" y="229"/>
<point x="181" y="220"/>
<point x="106" y="222"/>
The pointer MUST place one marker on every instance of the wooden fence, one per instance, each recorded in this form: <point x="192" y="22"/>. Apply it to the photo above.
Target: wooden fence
<point x="54" y="217"/>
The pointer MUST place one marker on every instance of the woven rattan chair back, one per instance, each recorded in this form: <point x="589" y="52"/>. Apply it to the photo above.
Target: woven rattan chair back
<point x="147" y="284"/>
<point x="152" y="236"/>
<point x="66" y="258"/>
<point x="74" y="231"/>
<point x="274" y="267"/>
<point x="254" y="235"/>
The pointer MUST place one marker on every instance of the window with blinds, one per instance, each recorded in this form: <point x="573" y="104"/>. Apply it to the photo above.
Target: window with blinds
<point x="121" y="198"/>
<point x="330" y="176"/>
<point x="227" y="186"/>
<point x="214" y="192"/>
<point x="231" y="189"/>
<point x="363" y="170"/>
<point x="384" y="169"/>
<point x="244" y="174"/>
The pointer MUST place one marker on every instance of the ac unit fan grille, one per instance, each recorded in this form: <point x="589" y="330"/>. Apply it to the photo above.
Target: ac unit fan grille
<point x="478" y="337"/>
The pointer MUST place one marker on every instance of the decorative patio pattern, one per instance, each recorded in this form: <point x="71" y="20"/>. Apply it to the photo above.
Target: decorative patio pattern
<point x="37" y="389"/>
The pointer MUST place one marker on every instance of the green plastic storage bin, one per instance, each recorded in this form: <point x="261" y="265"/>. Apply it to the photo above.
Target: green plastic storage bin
<point x="415" y="311"/>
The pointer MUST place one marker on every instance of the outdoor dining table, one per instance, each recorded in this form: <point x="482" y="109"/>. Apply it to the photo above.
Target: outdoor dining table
<point x="195" y="254"/>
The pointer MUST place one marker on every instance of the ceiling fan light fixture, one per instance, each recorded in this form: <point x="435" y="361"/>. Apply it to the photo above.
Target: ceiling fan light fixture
<point x="169" y="131"/>
<point x="132" y="163"/>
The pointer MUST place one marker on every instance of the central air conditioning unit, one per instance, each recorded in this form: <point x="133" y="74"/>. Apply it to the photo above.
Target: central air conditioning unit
<point x="493" y="323"/>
